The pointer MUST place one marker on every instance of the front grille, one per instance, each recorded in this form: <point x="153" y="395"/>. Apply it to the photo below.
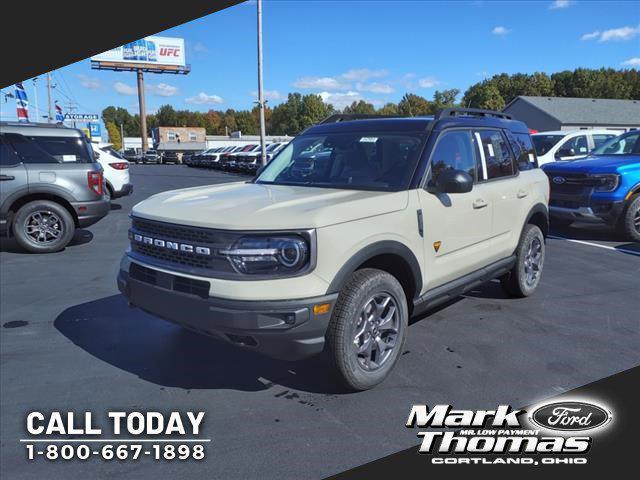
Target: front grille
<point x="574" y="183"/>
<point x="211" y="265"/>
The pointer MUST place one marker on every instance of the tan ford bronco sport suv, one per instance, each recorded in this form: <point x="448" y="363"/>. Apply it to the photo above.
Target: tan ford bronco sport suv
<point x="354" y="227"/>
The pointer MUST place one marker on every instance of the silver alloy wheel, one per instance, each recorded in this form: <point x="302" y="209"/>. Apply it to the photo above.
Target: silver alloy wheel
<point x="533" y="261"/>
<point x="43" y="227"/>
<point x="377" y="330"/>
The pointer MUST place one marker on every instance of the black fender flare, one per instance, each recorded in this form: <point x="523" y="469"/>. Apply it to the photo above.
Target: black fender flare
<point x="537" y="209"/>
<point x="390" y="247"/>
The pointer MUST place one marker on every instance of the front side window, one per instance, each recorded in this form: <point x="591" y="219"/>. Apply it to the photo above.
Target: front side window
<point x="498" y="157"/>
<point x="601" y="139"/>
<point x="454" y="150"/>
<point x="628" y="144"/>
<point x="353" y="160"/>
<point x="574" y="147"/>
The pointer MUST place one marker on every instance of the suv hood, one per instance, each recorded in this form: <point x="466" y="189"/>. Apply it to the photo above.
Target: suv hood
<point x="595" y="164"/>
<point x="251" y="206"/>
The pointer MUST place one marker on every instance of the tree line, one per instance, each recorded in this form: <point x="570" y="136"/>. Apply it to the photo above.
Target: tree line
<point x="301" y="111"/>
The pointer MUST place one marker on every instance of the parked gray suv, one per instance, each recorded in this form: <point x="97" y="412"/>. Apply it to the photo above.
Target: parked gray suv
<point x="50" y="184"/>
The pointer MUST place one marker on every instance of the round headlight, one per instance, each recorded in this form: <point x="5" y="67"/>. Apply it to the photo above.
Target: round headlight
<point x="290" y="254"/>
<point x="268" y="255"/>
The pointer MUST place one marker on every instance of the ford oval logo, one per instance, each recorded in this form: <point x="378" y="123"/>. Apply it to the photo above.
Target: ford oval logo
<point x="559" y="180"/>
<point x="570" y="416"/>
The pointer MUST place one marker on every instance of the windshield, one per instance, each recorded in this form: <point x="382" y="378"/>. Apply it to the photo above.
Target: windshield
<point x="272" y="147"/>
<point x="544" y="143"/>
<point x="346" y="160"/>
<point x="628" y="144"/>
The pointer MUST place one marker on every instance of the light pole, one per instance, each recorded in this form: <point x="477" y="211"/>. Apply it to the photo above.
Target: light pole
<point x="49" y="98"/>
<point x="261" y="101"/>
<point x="35" y="97"/>
<point x="121" y="138"/>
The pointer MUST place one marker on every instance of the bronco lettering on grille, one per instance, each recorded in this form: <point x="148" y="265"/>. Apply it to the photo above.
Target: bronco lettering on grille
<point x="183" y="247"/>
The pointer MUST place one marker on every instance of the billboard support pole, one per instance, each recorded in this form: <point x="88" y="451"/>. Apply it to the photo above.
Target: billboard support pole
<point x="143" y="112"/>
<point x="261" y="101"/>
<point x="50" y="115"/>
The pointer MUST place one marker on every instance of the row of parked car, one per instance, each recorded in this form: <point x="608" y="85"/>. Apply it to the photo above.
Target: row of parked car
<point x="245" y="159"/>
<point x="150" y="156"/>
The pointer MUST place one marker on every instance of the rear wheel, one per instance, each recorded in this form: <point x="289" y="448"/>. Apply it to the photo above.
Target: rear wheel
<point x="525" y="276"/>
<point x="43" y="226"/>
<point x="630" y="221"/>
<point x="367" y="329"/>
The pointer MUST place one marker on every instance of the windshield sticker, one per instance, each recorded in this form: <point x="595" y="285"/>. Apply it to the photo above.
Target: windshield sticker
<point x="369" y="139"/>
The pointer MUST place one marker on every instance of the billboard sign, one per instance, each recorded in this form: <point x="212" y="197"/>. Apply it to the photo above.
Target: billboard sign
<point x="147" y="52"/>
<point x="81" y="117"/>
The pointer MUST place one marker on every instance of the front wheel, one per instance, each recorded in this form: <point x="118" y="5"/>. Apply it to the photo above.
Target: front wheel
<point x="43" y="226"/>
<point x="367" y="329"/>
<point x="630" y="221"/>
<point x="525" y="276"/>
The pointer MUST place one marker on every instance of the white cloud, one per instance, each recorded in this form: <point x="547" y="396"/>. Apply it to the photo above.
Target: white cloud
<point x="324" y="83"/>
<point x="557" y="4"/>
<point x="613" y="34"/>
<point x="363" y="74"/>
<point x="500" y="30"/>
<point x="124" y="89"/>
<point x="428" y="82"/>
<point x="89" y="82"/>
<point x="268" y="94"/>
<point x="623" y="33"/>
<point x="200" y="47"/>
<point x="204" y="99"/>
<point x="163" y="90"/>
<point x="590" y="36"/>
<point x="632" y="62"/>
<point x="374" y="87"/>
<point x="343" y="99"/>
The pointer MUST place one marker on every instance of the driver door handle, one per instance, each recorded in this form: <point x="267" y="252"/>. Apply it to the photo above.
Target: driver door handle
<point x="522" y="193"/>
<point x="7" y="177"/>
<point x="479" y="203"/>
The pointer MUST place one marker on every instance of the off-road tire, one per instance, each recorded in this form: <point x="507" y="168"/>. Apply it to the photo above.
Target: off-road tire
<point x="363" y="285"/>
<point x="22" y="217"/>
<point x="518" y="282"/>
<point x="629" y="225"/>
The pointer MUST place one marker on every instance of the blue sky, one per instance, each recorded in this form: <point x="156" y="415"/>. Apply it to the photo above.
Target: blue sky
<point x="371" y="50"/>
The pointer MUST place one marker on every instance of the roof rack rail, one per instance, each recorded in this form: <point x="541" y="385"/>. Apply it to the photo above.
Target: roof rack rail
<point x="459" y="112"/>
<point x="16" y="123"/>
<point x="344" y="117"/>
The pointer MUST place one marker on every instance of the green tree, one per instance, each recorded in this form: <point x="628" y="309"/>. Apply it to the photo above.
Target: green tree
<point x="167" y="116"/>
<point x="389" y="109"/>
<point x="246" y="123"/>
<point x="412" y="105"/>
<point x="484" y="95"/>
<point x="360" y="108"/>
<point x="114" y="135"/>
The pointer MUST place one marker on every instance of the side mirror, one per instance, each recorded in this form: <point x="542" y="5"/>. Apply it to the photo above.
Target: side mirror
<point x="566" y="152"/>
<point x="454" y="181"/>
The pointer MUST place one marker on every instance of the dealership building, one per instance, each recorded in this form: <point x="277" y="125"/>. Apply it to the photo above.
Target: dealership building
<point x="565" y="113"/>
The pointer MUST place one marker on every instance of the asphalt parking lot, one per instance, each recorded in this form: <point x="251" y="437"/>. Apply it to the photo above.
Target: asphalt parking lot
<point x="69" y="342"/>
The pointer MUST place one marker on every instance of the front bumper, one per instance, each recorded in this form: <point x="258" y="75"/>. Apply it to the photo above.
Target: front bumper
<point x="283" y="329"/>
<point x="90" y="212"/>
<point x="607" y="212"/>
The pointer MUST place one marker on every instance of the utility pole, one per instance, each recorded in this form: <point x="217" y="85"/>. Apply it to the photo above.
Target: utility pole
<point x="35" y="97"/>
<point x="121" y="138"/>
<point x="261" y="101"/>
<point x="71" y="107"/>
<point x="143" y="112"/>
<point x="50" y="116"/>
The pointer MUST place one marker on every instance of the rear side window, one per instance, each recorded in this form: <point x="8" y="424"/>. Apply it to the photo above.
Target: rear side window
<point x="497" y="155"/>
<point x="65" y="149"/>
<point x="7" y="156"/>
<point x="28" y="151"/>
<point x="523" y="148"/>
<point x="454" y="151"/>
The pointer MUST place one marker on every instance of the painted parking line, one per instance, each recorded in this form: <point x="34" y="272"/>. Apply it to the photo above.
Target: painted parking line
<point x="606" y="247"/>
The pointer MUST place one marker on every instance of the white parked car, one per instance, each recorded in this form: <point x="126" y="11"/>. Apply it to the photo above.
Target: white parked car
<point x="116" y="170"/>
<point x="568" y="144"/>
